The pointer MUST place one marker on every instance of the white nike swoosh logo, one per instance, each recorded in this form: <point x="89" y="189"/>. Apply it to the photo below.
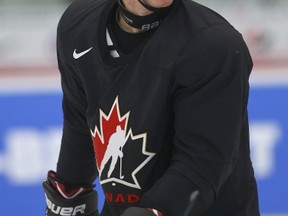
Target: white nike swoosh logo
<point x="78" y="55"/>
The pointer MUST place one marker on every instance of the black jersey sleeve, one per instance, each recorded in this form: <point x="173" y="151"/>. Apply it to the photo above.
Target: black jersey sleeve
<point x="210" y="100"/>
<point x="76" y="163"/>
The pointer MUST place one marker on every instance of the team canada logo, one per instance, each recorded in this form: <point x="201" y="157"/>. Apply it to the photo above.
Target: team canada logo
<point x="119" y="153"/>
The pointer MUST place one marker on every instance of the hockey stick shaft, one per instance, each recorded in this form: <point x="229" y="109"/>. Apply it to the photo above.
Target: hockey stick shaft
<point x="121" y="175"/>
<point x="191" y="204"/>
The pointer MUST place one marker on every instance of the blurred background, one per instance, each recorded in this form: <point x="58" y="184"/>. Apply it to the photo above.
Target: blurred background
<point x="30" y="98"/>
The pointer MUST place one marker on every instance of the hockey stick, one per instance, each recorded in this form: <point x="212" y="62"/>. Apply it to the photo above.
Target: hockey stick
<point x="191" y="204"/>
<point x="121" y="176"/>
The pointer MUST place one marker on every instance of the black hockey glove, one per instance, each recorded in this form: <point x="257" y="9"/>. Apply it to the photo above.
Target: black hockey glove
<point x="138" y="211"/>
<point x="63" y="200"/>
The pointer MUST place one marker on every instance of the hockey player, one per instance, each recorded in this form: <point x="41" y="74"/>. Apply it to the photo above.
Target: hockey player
<point x="170" y="80"/>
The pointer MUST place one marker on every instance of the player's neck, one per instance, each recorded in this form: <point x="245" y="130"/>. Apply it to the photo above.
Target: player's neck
<point x="134" y="7"/>
<point x="124" y="25"/>
<point x="140" y="9"/>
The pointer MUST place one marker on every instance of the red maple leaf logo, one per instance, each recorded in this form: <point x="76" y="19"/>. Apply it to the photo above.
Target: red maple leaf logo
<point x="113" y="142"/>
<point x="108" y="125"/>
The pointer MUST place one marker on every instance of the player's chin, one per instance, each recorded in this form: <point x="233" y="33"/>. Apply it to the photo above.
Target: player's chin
<point x="158" y="3"/>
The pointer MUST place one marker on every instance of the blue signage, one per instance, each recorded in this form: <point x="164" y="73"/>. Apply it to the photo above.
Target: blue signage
<point x="268" y="111"/>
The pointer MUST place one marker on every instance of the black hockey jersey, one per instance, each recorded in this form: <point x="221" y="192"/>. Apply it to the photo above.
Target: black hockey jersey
<point x="165" y="120"/>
